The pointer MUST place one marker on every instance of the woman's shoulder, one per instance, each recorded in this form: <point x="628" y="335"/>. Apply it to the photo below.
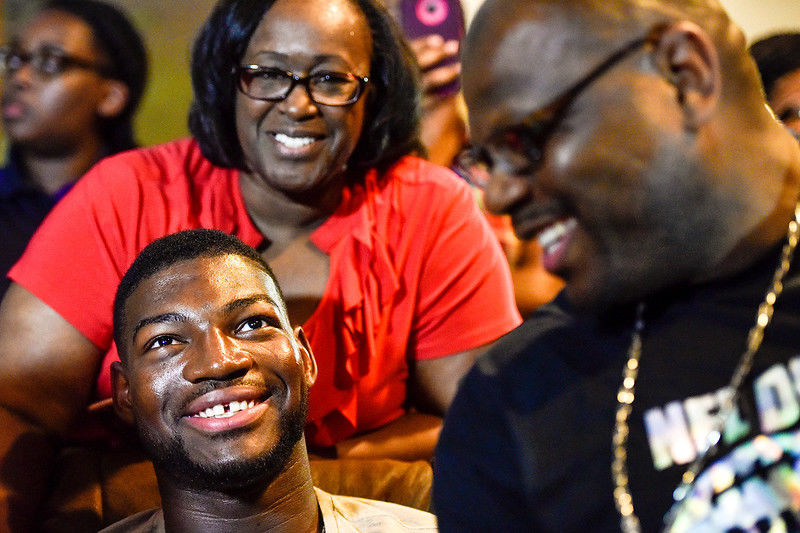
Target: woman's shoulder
<point x="180" y="159"/>
<point x="175" y="169"/>
<point x="417" y="178"/>
<point x="412" y="169"/>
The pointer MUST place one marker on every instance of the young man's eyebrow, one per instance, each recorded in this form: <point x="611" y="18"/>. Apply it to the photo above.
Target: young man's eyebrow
<point x="250" y="300"/>
<point x="158" y="319"/>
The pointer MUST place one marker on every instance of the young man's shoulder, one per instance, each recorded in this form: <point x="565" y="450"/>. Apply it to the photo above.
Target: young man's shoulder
<point x="348" y="513"/>
<point x="150" y="521"/>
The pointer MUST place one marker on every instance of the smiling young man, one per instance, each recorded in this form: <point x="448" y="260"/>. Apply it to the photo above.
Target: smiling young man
<point x="659" y="390"/>
<point x="216" y="383"/>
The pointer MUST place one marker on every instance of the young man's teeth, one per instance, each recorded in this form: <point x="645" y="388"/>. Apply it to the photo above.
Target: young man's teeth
<point x="293" y="142"/>
<point x="556" y="232"/>
<point x="219" y="411"/>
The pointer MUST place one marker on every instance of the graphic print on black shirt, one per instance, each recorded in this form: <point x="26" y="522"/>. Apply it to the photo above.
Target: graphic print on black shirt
<point x="753" y="483"/>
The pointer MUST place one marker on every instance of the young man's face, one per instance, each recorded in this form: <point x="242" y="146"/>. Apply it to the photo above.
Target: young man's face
<point x="215" y="381"/>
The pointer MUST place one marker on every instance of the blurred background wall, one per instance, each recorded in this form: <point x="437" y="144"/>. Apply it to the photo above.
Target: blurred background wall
<point x="169" y="27"/>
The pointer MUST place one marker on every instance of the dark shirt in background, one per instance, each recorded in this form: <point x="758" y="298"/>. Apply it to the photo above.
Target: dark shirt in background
<point x="22" y="208"/>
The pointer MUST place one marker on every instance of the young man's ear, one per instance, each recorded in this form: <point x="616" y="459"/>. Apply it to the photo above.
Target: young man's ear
<point x="121" y="392"/>
<point x="307" y="357"/>
<point x="115" y="99"/>
<point x="691" y="62"/>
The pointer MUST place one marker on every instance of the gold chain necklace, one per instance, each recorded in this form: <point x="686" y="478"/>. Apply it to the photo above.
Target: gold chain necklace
<point x="625" y="395"/>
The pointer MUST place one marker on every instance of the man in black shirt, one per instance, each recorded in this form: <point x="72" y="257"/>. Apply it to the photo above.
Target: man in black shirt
<point x="660" y="389"/>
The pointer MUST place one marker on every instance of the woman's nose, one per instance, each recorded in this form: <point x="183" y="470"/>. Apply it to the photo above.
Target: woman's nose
<point x="298" y="103"/>
<point x="23" y="75"/>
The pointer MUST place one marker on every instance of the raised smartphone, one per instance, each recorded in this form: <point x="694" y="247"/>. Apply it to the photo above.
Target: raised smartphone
<point x="427" y="17"/>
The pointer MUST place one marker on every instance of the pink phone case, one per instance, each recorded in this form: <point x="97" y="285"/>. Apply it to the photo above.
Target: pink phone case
<point x="428" y="17"/>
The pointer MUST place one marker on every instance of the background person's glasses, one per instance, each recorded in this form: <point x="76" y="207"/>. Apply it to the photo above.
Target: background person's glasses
<point x="47" y="63"/>
<point x="273" y="84"/>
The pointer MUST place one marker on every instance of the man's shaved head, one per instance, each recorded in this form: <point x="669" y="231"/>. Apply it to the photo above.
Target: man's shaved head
<point x="591" y="29"/>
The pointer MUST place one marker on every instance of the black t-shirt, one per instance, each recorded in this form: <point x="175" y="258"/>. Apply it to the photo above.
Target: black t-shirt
<point x="527" y="446"/>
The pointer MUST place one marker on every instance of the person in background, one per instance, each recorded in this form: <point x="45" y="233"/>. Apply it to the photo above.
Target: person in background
<point x="304" y="117"/>
<point x="216" y="381"/>
<point x="445" y="137"/>
<point x="71" y="81"/>
<point x="658" y="392"/>
<point x="778" y="60"/>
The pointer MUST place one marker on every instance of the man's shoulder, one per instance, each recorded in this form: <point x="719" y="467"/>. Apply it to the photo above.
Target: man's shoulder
<point x="348" y="513"/>
<point x="535" y="347"/>
<point x="543" y="330"/>
<point x="151" y="521"/>
<point x="551" y="350"/>
<point x="412" y="176"/>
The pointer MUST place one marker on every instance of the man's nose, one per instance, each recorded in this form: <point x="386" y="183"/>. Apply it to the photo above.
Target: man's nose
<point x="504" y="191"/>
<point x="217" y="357"/>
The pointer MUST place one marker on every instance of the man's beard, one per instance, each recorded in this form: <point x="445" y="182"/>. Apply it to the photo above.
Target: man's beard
<point x="172" y="458"/>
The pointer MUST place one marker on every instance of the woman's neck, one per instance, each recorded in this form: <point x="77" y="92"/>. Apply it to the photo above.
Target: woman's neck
<point x="282" y="218"/>
<point x="51" y="172"/>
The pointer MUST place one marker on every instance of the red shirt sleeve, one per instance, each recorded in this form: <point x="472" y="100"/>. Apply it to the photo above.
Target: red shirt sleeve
<point x="78" y="255"/>
<point x="465" y="296"/>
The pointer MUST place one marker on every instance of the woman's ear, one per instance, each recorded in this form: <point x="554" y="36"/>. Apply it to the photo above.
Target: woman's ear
<point x="690" y="60"/>
<point x="307" y="357"/>
<point x="121" y="393"/>
<point x="115" y="99"/>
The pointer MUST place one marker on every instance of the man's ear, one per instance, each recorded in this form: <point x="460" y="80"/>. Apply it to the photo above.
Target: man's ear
<point x="309" y="363"/>
<point x="689" y="58"/>
<point x="115" y="99"/>
<point x="121" y="392"/>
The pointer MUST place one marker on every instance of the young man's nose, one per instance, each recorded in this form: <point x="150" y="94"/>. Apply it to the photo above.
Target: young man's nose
<point x="217" y="356"/>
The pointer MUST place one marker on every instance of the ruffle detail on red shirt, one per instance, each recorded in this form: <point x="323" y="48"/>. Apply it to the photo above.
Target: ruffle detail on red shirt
<point x="366" y="285"/>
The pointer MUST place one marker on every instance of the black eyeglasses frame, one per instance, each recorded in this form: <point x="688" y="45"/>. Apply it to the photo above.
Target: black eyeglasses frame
<point x="295" y="80"/>
<point x="38" y="58"/>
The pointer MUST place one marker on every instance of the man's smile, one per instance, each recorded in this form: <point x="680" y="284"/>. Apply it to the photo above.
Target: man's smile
<point x="228" y="408"/>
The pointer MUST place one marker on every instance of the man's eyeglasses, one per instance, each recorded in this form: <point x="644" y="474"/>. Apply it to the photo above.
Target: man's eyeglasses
<point x="47" y="63"/>
<point x="529" y="137"/>
<point x="273" y="84"/>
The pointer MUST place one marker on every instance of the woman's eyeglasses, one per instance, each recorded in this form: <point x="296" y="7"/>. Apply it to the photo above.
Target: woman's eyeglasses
<point x="46" y="63"/>
<point x="274" y="84"/>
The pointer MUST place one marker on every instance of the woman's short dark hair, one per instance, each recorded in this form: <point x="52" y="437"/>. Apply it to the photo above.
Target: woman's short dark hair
<point x="126" y="61"/>
<point x="392" y="118"/>
<point x="776" y="56"/>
